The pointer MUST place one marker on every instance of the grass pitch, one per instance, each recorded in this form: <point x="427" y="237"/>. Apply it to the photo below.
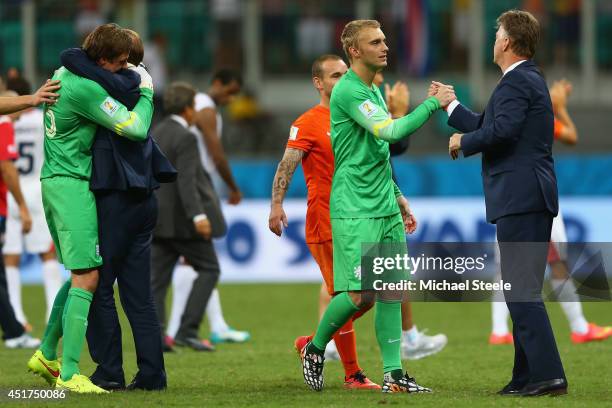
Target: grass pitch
<point x="266" y="372"/>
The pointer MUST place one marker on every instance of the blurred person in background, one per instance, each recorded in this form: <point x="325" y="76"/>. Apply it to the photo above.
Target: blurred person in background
<point x="566" y="19"/>
<point x="15" y="335"/>
<point x="189" y="218"/>
<point x="227" y="38"/>
<point x="208" y="128"/>
<point x="582" y="331"/>
<point x="12" y="73"/>
<point x="314" y="33"/>
<point x="91" y="14"/>
<point x="415" y="344"/>
<point x="29" y="140"/>
<point x="250" y="117"/>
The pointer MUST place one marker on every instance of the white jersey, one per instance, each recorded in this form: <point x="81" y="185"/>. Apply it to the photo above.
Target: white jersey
<point x="203" y="101"/>
<point x="29" y="141"/>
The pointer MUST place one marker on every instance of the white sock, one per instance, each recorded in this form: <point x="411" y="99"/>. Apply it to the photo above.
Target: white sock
<point x="411" y="335"/>
<point x="13" y="283"/>
<point x="570" y="303"/>
<point x="182" y="281"/>
<point x="500" y="315"/>
<point x="52" y="279"/>
<point x="215" y="314"/>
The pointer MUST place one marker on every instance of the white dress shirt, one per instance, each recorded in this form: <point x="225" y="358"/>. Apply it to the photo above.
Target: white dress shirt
<point x="181" y="120"/>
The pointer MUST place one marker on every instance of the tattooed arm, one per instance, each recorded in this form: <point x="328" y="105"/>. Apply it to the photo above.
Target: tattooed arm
<point x="282" y="178"/>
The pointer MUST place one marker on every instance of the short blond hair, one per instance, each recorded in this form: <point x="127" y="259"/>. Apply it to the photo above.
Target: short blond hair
<point x="350" y="34"/>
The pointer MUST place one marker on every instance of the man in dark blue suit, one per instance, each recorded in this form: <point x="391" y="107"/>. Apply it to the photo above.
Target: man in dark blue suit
<point x="124" y="175"/>
<point x="515" y="136"/>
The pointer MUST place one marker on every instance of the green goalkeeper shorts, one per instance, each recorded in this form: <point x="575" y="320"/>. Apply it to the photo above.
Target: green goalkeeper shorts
<point x="70" y="210"/>
<point x="383" y="236"/>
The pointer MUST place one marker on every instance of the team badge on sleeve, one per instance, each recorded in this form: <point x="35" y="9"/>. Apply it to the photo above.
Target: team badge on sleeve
<point x="109" y="106"/>
<point x="368" y="108"/>
<point x="293" y="133"/>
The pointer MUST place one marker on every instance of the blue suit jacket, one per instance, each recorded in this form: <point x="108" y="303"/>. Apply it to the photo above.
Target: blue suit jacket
<point x="515" y="136"/>
<point x="119" y="163"/>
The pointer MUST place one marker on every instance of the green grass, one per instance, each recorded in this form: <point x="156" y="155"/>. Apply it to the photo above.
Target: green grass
<point x="266" y="372"/>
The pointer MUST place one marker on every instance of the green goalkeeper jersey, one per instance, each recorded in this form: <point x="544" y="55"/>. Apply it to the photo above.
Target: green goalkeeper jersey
<point x="361" y="130"/>
<point x="71" y="124"/>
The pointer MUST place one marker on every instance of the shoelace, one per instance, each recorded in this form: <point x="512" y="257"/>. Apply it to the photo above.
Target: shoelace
<point x="408" y="379"/>
<point x="359" y="376"/>
<point x="314" y="360"/>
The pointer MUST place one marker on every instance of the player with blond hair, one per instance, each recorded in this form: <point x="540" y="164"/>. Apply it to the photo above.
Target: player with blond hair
<point x="365" y="204"/>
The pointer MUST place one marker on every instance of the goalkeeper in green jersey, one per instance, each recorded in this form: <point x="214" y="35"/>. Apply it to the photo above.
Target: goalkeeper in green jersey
<point x="365" y="204"/>
<point x="70" y="207"/>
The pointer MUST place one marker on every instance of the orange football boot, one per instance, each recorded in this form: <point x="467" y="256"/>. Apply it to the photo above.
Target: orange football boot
<point x="501" y="339"/>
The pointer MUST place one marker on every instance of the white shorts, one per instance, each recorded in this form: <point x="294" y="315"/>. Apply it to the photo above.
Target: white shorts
<point x="38" y="240"/>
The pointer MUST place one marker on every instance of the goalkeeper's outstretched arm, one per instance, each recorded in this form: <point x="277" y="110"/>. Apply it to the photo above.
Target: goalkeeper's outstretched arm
<point x="376" y="120"/>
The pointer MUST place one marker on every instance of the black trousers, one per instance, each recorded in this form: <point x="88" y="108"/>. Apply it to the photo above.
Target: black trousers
<point x="202" y="257"/>
<point x="11" y="327"/>
<point x="126" y="221"/>
<point x="523" y="243"/>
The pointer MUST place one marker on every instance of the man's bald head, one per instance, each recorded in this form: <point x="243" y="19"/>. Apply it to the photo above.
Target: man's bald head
<point x="137" y="52"/>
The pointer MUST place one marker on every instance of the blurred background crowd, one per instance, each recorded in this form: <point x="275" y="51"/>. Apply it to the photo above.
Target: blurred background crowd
<point x="273" y="42"/>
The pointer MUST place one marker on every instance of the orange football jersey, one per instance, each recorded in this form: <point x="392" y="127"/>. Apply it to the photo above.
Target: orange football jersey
<point x="311" y="134"/>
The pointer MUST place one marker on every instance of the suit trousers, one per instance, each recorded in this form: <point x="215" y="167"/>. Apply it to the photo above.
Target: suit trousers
<point x="126" y="221"/>
<point x="11" y="327"/>
<point x="523" y="243"/>
<point x="202" y="257"/>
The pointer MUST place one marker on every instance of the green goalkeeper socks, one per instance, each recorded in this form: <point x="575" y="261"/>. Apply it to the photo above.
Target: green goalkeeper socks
<point x="53" y="332"/>
<point x="388" y="326"/>
<point x="75" y="327"/>
<point x="340" y="310"/>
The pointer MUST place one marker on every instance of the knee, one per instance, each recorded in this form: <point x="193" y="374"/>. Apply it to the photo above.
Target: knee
<point x="363" y="300"/>
<point x="87" y="281"/>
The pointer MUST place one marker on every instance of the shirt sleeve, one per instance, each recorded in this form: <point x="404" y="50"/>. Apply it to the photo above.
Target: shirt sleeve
<point x="7" y="142"/>
<point x="91" y="101"/>
<point x="376" y="120"/>
<point x="300" y="136"/>
<point x="396" y="191"/>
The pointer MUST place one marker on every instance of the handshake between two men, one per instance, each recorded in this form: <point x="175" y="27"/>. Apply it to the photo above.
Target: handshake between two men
<point x="446" y="95"/>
